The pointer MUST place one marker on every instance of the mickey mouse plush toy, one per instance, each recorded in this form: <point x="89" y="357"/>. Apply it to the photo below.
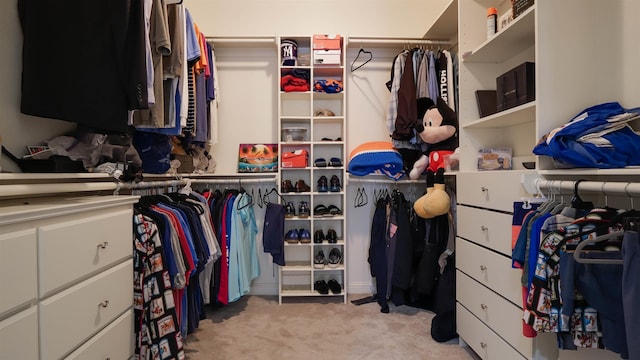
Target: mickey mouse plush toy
<point x="439" y="131"/>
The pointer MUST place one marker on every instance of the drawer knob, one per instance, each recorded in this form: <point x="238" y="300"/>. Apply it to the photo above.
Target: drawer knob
<point x="484" y="228"/>
<point x="103" y="245"/>
<point x="484" y="189"/>
<point x="483" y="306"/>
<point x="483" y="345"/>
<point x="103" y="304"/>
<point x="483" y="268"/>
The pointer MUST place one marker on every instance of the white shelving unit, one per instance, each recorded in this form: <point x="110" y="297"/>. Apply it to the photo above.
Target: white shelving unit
<point x="568" y="52"/>
<point x="324" y="138"/>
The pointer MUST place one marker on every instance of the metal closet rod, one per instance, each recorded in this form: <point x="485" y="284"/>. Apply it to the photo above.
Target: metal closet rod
<point x="622" y="188"/>
<point x="399" y="41"/>
<point x="30" y="190"/>
<point x="241" y="39"/>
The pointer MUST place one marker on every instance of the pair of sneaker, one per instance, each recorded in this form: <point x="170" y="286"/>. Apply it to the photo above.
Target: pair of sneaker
<point x="303" y="210"/>
<point x="331" y="237"/>
<point x="295" y="236"/>
<point x="334" y="260"/>
<point x="323" y="287"/>
<point x="325" y="185"/>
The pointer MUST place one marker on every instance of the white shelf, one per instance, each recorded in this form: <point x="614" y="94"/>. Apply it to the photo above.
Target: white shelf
<point x="516" y="37"/>
<point x="446" y="25"/>
<point x="298" y="109"/>
<point x="518" y="115"/>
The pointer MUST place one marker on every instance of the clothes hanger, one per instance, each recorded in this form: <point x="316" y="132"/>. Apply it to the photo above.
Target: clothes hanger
<point x="249" y="203"/>
<point x="580" y="249"/>
<point x="273" y="190"/>
<point x="577" y="202"/>
<point x="365" y="61"/>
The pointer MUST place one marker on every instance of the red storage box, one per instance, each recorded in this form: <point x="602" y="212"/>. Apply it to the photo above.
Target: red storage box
<point x="327" y="42"/>
<point x="295" y="159"/>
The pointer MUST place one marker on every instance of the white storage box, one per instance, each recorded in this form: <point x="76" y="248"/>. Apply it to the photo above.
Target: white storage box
<point x="327" y="57"/>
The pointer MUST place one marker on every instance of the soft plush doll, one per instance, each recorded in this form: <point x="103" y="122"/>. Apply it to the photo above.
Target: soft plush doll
<point x="436" y="201"/>
<point x="439" y="131"/>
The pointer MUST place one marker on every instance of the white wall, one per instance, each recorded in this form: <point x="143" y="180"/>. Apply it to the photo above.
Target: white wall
<point x="248" y="110"/>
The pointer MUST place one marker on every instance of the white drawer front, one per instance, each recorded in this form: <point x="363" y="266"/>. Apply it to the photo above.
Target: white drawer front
<point x="73" y="249"/>
<point x="481" y="339"/>
<point x="487" y="228"/>
<point x="493" y="190"/>
<point x="496" y="312"/>
<point x="113" y="342"/>
<point x="18" y="266"/>
<point x="489" y="268"/>
<point x="19" y="336"/>
<point x="71" y="316"/>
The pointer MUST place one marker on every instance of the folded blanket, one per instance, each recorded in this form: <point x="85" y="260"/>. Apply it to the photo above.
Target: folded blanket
<point x="377" y="157"/>
<point x="329" y="86"/>
<point x="289" y="83"/>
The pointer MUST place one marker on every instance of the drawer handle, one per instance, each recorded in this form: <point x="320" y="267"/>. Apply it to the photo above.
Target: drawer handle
<point x="484" y="228"/>
<point x="483" y="268"/>
<point x="103" y="304"/>
<point x="103" y="245"/>
<point x="484" y="189"/>
<point x="483" y="306"/>
<point x="483" y="345"/>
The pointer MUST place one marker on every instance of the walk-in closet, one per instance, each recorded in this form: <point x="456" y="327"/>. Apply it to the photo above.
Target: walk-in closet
<point x="277" y="179"/>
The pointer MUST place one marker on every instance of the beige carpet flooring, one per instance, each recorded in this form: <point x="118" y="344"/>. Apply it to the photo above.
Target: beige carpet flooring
<point x="257" y="327"/>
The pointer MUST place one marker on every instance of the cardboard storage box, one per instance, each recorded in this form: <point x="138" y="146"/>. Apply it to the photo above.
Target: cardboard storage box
<point x="516" y="87"/>
<point x="327" y="42"/>
<point x="327" y="57"/>
<point x="495" y="159"/>
<point x="295" y="159"/>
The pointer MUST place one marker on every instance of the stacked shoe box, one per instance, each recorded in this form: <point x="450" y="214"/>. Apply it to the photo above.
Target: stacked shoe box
<point x="327" y="49"/>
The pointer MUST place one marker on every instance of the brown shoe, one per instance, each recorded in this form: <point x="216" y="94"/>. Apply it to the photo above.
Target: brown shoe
<point x="287" y="186"/>
<point x="301" y="186"/>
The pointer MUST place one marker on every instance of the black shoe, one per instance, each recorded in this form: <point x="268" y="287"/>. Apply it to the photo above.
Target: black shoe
<point x="318" y="237"/>
<point x="335" y="258"/>
<point x="332" y="237"/>
<point x="323" y="184"/>
<point x="321" y="287"/>
<point x="318" y="260"/>
<point x="303" y="210"/>
<point x="289" y="210"/>
<point x="334" y="286"/>
<point x="334" y="184"/>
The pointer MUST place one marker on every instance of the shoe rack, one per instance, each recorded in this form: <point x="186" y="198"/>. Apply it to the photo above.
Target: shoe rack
<point x="312" y="152"/>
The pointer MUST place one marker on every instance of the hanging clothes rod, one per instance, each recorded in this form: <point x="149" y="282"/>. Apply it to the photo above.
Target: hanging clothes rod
<point x="612" y="188"/>
<point x="384" y="180"/>
<point x="356" y="41"/>
<point x="40" y="189"/>
<point x="241" y="39"/>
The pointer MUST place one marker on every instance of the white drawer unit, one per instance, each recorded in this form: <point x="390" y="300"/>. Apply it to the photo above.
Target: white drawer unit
<point x="492" y="190"/>
<point x="491" y="269"/>
<point x="486" y="343"/>
<point x="100" y="346"/>
<point x="73" y="249"/>
<point x="18" y="266"/>
<point x="19" y="336"/>
<point x="489" y="228"/>
<point x="92" y="304"/>
<point x="493" y="310"/>
<point x="67" y="278"/>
